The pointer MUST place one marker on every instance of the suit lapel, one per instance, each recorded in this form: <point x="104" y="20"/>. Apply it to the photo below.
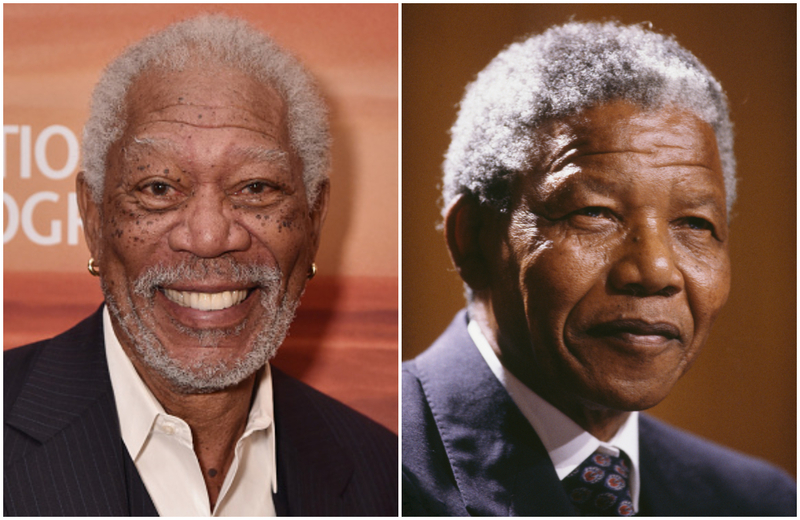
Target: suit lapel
<point x="499" y="463"/>
<point x="67" y="405"/>
<point x="313" y="471"/>
<point x="665" y="480"/>
<point x="69" y="377"/>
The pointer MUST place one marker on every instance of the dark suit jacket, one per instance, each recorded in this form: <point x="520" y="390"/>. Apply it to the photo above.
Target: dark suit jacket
<point x="468" y="450"/>
<point x="64" y="455"/>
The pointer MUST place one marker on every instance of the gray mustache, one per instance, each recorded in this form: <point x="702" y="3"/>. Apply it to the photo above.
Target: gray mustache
<point x="202" y="268"/>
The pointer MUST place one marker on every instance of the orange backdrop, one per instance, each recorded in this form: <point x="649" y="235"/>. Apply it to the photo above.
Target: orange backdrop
<point x="344" y="341"/>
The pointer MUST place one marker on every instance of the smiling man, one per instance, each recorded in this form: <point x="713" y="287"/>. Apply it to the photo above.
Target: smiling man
<point x="203" y="197"/>
<point x="587" y="193"/>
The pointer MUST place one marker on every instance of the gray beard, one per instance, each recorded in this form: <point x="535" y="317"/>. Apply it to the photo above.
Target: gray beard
<point x="204" y="375"/>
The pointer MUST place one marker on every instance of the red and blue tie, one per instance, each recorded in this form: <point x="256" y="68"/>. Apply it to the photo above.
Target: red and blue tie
<point x="599" y="486"/>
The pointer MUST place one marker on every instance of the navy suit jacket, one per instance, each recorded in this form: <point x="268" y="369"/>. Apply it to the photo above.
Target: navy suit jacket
<point x="468" y="450"/>
<point x="64" y="454"/>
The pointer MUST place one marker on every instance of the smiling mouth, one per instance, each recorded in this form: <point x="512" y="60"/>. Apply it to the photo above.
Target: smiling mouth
<point x="634" y="328"/>
<point x="203" y="301"/>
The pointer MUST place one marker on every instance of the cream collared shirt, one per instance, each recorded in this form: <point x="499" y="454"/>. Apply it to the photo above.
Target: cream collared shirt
<point x="567" y="443"/>
<point x="161" y="447"/>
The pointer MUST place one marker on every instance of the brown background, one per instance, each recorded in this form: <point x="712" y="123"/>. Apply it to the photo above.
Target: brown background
<point x="742" y="390"/>
<point x="344" y="341"/>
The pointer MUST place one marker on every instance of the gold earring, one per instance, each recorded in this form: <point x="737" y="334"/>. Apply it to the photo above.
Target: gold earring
<point x="312" y="271"/>
<point x="93" y="269"/>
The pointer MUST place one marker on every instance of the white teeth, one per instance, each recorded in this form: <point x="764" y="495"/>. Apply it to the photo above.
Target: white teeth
<point x="206" y="301"/>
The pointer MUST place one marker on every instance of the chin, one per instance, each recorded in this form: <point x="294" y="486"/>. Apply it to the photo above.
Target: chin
<point x="205" y="377"/>
<point x="627" y="395"/>
<point x="209" y="368"/>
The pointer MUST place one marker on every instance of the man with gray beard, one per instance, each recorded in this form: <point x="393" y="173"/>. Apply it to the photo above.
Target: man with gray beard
<point x="203" y="193"/>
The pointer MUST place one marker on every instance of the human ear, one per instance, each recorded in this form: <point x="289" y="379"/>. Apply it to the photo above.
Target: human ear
<point x="90" y="215"/>
<point x="317" y="214"/>
<point x="464" y="223"/>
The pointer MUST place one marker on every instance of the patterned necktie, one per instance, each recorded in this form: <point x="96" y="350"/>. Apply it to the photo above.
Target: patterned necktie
<point x="599" y="486"/>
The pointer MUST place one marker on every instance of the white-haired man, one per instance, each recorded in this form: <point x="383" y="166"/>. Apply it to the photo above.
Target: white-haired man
<point x="587" y="190"/>
<point x="203" y="195"/>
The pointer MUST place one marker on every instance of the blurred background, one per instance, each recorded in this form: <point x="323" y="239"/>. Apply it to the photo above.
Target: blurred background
<point x="344" y="340"/>
<point x="742" y="391"/>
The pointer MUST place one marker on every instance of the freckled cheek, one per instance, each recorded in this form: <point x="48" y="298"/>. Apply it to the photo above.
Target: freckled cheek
<point x="131" y="234"/>
<point x="282" y="233"/>
<point x="127" y="250"/>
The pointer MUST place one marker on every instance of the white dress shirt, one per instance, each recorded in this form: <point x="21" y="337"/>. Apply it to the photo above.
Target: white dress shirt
<point x="161" y="447"/>
<point x="567" y="443"/>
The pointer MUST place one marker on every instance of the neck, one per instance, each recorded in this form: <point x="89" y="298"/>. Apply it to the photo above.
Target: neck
<point x="217" y="421"/>
<point x="603" y="423"/>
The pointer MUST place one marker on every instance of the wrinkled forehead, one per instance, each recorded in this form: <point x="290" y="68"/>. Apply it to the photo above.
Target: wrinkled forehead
<point x="670" y="133"/>
<point x="206" y="96"/>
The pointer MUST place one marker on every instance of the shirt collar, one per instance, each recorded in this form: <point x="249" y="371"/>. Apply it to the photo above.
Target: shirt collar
<point x="142" y="409"/>
<point x="566" y="443"/>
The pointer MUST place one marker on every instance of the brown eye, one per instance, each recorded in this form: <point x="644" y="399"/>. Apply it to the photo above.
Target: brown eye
<point x="159" y="189"/>
<point x="256" y="188"/>
<point x="699" y="224"/>
<point x="591" y="214"/>
<point x="257" y="193"/>
<point x="158" y="194"/>
<point x="592" y="211"/>
<point x="259" y="190"/>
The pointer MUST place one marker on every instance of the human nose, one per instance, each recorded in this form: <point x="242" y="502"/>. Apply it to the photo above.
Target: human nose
<point x="647" y="264"/>
<point x="209" y="228"/>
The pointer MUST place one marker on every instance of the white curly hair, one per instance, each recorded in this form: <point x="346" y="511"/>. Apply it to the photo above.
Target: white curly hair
<point x="210" y="39"/>
<point x="558" y="73"/>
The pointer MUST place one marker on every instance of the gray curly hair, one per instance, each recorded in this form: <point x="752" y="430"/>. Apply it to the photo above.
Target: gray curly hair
<point x="558" y="73"/>
<point x="210" y="39"/>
